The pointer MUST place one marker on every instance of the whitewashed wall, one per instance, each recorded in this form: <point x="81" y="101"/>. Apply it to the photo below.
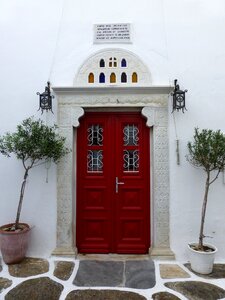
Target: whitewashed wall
<point x="176" y="39"/>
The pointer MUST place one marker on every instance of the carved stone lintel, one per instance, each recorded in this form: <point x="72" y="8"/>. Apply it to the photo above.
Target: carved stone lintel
<point x="76" y="113"/>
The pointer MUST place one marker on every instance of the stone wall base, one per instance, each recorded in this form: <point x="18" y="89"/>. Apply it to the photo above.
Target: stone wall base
<point x="65" y="251"/>
<point x="162" y="253"/>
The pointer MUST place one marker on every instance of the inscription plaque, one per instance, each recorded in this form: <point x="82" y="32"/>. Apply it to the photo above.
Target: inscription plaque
<point x="112" y="33"/>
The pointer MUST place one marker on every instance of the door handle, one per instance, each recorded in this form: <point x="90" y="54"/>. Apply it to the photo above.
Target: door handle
<point x="117" y="184"/>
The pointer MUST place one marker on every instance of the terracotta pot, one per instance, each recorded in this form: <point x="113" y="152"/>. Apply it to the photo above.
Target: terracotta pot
<point x="202" y="262"/>
<point x="14" y="244"/>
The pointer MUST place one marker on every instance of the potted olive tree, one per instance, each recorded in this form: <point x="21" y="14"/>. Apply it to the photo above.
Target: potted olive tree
<point x="32" y="143"/>
<point x="207" y="151"/>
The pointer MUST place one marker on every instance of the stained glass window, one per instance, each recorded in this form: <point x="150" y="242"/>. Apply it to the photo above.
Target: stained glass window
<point x="102" y="63"/>
<point x="112" y="62"/>
<point x="112" y="78"/>
<point x="134" y="77"/>
<point x="123" y="77"/>
<point x="123" y="63"/>
<point x="102" y="78"/>
<point x="91" y="78"/>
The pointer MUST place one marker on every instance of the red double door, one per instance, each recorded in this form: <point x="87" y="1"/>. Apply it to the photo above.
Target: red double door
<point x="113" y="184"/>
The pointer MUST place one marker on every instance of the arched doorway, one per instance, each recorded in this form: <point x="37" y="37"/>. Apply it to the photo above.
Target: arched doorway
<point x="98" y="97"/>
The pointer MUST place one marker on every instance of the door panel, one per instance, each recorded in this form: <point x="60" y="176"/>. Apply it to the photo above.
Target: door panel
<point x="113" y="192"/>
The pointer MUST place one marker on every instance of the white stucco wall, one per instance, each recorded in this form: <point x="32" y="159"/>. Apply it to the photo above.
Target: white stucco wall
<point x="175" y="39"/>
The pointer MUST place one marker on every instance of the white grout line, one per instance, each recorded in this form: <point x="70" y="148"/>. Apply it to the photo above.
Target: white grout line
<point x="68" y="284"/>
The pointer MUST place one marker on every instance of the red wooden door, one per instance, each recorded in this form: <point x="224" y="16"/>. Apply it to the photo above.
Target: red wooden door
<point x="113" y="184"/>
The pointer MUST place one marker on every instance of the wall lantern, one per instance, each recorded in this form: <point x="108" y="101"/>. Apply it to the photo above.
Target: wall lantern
<point x="178" y="98"/>
<point x="45" y="102"/>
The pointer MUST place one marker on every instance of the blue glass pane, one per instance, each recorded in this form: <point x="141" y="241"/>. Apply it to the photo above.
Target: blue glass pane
<point x="102" y="78"/>
<point x="123" y="63"/>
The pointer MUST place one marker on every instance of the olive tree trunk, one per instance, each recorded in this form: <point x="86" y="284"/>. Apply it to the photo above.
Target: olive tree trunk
<point x="204" y="205"/>
<point x="21" y="198"/>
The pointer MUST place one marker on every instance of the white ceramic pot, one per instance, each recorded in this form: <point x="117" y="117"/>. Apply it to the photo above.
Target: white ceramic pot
<point x="202" y="262"/>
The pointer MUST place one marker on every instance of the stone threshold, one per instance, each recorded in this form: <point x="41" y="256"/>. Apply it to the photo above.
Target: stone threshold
<point x="161" y="253"/>
<point x="112" y="257"/>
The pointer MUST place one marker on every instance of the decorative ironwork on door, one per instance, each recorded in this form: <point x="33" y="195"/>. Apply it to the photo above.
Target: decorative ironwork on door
<point x="95" y="153"/>
<point x="95" y="135"/>
<point x="131" y="160"/>
<point x="131" y="152"/>
<point x="131" y="135"/>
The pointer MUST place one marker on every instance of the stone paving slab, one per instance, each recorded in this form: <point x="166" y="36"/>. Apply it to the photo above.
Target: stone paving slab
<point x="36" y="289"/>
<point x="170" y="271"/>
<point x="4" y="283"/>
<point x="140" y="274"/>
<point x="217" y="273"/>
<point x="164" y="296"/>
<point x="197" y="290"/>
<point x="103" y="295"/>
<point x="63" y="269"/>
<point x="99" y="273"/>
<point x="29" y="267"/>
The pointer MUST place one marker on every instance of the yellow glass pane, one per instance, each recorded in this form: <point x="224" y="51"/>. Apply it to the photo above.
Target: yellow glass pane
<point x="134" y="77"/>
<point x="91" y="78"/>
<point x="112" y="78"/>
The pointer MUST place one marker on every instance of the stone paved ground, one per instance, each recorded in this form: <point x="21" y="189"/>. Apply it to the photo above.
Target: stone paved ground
<point x="139" y="274"/>
<point x="68" y="279"/>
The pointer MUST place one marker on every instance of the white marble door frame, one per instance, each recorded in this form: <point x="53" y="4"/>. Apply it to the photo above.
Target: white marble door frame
<point x="153" y="104"/>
